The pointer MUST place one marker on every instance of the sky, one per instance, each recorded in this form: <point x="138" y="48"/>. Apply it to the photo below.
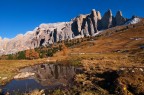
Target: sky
<point x="20" y="16"/>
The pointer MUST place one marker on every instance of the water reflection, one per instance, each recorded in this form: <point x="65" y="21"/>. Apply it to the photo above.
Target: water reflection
<point x="46" y="76"/>
<point x="49" y="74"/>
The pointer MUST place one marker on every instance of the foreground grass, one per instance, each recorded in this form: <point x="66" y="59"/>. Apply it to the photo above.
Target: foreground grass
<point x="97" y="70"/>
<point x="108" y="74"/>
<point x="9" y="68"/>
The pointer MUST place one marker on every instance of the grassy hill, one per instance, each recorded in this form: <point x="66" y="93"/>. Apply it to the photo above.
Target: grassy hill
<point x="113" y="62"/>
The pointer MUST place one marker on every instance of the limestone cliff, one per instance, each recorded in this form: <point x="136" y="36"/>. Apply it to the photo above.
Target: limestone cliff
<point x="46" y="34"/>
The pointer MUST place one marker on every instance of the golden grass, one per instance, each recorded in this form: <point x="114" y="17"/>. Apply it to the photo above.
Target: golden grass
<point x="126" y="39"/>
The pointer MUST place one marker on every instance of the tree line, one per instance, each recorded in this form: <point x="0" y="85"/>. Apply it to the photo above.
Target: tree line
<point x="46" y="51"/>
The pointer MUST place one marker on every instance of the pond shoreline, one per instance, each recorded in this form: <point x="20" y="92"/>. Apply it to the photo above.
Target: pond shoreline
<point x="61" y="74"/>
<point x="24" y="64"/>
<point x="65" y="60"/>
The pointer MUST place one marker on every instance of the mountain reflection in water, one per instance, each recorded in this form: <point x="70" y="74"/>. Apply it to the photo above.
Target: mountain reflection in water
<point x="47" y="76"/>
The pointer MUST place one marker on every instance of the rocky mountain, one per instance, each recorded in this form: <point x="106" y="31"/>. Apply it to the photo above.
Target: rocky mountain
<point x="119" y="19"/>
<point x="82" y="25"/>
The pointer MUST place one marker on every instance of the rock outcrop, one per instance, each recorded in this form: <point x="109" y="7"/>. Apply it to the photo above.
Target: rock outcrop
<point x="98" y="15"/>
<point x="85" y="30"/>
<point x="107" y="20"/>
<point x="119" y="19"/>
<point x="80" y="20"/>
<point x="91" y="27"/>
<point x="46" y="34"/>
<point x="94" y="19"/>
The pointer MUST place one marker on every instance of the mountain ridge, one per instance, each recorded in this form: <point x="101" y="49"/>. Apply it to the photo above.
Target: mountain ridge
<point x="80" y="26"/>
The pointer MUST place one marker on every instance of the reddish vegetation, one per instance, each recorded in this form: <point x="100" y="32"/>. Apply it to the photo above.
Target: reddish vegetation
<point x="31" y="54"/>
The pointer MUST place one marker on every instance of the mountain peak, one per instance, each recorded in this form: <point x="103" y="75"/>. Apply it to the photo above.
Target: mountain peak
<point x="49" y="33"/>
<point x="119" y="19"/>
<point x="109" y="12"/>
<point x="93" y="13"/>
<point x="99" y="15"/>
<point x="119" y="13"/>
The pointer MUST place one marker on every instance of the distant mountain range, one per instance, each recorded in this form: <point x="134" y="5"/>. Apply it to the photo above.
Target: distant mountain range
<point x="81" y="26"/>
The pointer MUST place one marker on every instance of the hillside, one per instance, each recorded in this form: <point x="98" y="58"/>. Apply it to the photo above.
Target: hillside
<point x="120" y="38"/>
<point x="112" y="62"/>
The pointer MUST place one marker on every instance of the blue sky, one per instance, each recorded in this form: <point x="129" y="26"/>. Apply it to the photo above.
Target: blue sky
<point x="20" y="16"/>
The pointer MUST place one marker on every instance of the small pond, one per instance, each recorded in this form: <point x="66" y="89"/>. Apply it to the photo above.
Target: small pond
<point x="47" y="76"/>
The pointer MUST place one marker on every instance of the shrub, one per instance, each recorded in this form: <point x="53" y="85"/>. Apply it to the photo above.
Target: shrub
<point x="31" y="54"/>
<point x="50" y="53"/>
<point x="21" y="55"/>
<point x="10" y="57"/>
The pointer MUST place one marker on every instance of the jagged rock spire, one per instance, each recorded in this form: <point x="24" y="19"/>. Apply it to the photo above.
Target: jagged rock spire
<point x="94" y="20"/>
<point x="91" y="32"/>
<point x="86" y="33"/>
<point x="98" y="15"/>
<point x="106" y="21"/>
<point x="119" y="19"/>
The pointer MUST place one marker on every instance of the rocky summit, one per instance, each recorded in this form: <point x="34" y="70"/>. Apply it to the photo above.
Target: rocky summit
<point x="80" y="26"/>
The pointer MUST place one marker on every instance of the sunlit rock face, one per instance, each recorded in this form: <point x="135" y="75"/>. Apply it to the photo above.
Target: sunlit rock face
<point x="80" y="26"/>
<point x="94" y="19"/>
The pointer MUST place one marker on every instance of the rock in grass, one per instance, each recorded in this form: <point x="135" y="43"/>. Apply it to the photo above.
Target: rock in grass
<point x="36" y="92"/>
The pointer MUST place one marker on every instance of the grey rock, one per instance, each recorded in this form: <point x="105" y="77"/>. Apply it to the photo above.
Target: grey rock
<point x="120" y="20"/>
<point x="85" y="31"/>
<point x="80" y="20"/>
<point x="106" y="21"/>
<point x="98" y="15"/>
<point x="94" y="19"/>
<point x="55" y="35"/>
<point x="91" y="32"/>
